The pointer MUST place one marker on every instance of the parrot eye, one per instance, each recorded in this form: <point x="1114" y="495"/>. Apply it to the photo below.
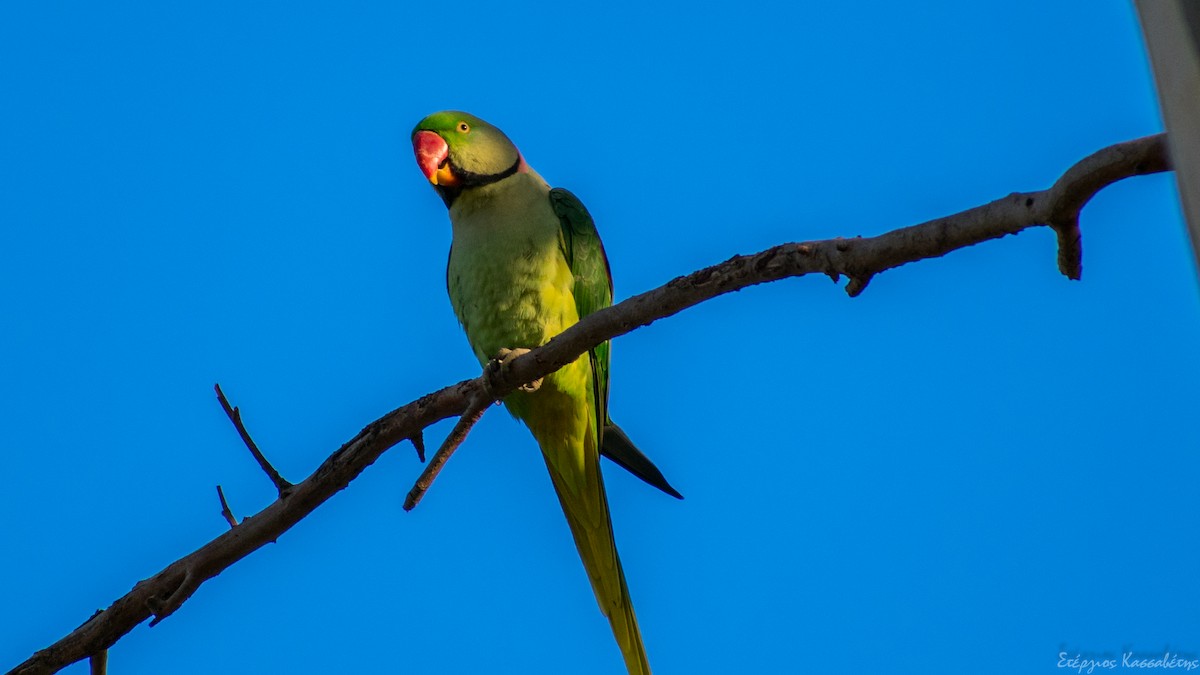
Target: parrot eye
<point x="464" y="127"/>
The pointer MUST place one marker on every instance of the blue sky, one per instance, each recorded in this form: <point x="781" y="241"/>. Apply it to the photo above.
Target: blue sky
<point x="972" y="467"/>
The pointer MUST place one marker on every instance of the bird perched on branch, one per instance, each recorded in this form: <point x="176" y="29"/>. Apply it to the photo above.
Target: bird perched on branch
<point x="525" y="264"/>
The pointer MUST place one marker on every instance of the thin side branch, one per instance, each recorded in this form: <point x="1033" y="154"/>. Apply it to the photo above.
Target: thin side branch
<point x="98" y="664"/>
<point x="282" y="486"/>
<point x="474" y="412"/>
<point x="858" y="259"/>
<point x="226" y="512"/>
<point x="418" y="441"/>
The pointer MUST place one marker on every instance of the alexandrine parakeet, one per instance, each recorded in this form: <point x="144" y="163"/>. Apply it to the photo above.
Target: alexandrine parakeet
<point x="525" y="264"/>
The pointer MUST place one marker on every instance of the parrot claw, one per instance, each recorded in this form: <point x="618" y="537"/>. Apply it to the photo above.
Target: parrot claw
<point x="501" y="361"/>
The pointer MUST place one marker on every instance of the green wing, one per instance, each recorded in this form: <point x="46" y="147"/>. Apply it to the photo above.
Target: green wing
<point x="593" y="291"/>
<point x="593" y="282"/>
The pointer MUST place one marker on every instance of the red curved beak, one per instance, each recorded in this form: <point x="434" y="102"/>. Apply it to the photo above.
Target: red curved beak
<point x="433" y="156"/>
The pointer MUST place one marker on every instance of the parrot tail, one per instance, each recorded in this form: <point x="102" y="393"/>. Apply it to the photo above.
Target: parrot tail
<point x="617" y="447"/>
<point x="587" y="513"/>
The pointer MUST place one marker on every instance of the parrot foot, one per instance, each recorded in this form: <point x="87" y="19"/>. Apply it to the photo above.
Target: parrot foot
<point x="500" y="362"/>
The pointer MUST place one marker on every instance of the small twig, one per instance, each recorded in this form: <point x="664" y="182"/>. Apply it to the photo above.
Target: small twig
<point x="225" y="510"/>
<point x="418" y="441"/>
<point x="1076" y="187"/>
<point x="1070" y="248"/>
<point x="470" y="416"/>
<point x="235" y="416"/>
<point x="99" y="662"/>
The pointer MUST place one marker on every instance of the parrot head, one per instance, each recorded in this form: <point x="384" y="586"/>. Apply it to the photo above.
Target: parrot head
<point x="457" y="151"/>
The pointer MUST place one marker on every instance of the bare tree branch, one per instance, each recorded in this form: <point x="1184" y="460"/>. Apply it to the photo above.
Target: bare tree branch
<point x="457" y="435"/>
<point x="473" y="414"/>
<point x="226" y="512"/>
<point x="235" y="416"/>
<point x="860" y="259"/>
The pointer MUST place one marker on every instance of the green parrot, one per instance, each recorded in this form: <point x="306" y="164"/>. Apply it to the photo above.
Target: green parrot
<point x="525" y="264"/>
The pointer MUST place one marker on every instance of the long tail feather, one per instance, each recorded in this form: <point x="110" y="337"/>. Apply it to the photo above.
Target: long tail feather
<point x="587" y="513"/>
<point x="617" y="447"/>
